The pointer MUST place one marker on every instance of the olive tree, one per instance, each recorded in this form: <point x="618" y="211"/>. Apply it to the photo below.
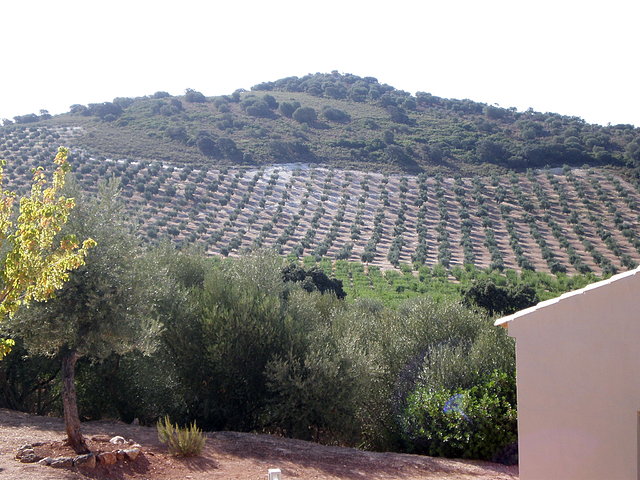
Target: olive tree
<point x="106" y="307"/>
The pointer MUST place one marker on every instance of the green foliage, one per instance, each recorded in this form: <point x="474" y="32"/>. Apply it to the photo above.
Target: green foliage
<point x="193" y="96"/>
<point x="6" y="344"/>
<point x="478" y="422"/>
<point x="242" y="349"/>
<point x="106" y="305"/>
<point x="184" y="442"/>
<point x="306" y="115"/>
<point x="36" y="261"/>
<point x="436" y="134"/>
<point x="496" y="299"/>
<point x="335" y="115"/>
<point x="313" y="279"/>
<point x="287" y="108"/>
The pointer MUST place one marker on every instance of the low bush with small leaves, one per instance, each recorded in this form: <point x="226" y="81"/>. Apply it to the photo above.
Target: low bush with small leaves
<point x="479" y="422"/>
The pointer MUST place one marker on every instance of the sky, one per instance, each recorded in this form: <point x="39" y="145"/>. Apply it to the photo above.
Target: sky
<point x="577" y="58"/>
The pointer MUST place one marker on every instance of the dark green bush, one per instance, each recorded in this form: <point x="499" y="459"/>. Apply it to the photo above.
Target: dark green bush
<point x="306" y="115"/>
<point x="193" y="96"/>
<point x="287" y="108"/>
<point x="479" y="422"/>
<point x="335" y="115"/>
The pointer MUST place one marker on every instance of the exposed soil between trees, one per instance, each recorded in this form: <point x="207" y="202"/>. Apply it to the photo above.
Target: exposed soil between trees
<point x="227" y="455"/>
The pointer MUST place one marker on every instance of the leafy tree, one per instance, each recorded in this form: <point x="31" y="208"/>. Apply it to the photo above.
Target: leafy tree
<point x="106" y="306"/>
<point x="492" y="152"/>
<point x="29" y="118"/>
<point x="478" y="422"/>
<point x="193" y="96"/>
<point x="259" y="108"/>
<point x="336" y="115"/>
<point x="306" y="115"/>
<point x="271" y="101"/>
<point x="496" y="299"/>
<point x="107" y="111"/>
<point x="313" y="279"/>
<point x="287" y="108"/>
<point x="36" y="263"/>
<point x="207" y="145"/>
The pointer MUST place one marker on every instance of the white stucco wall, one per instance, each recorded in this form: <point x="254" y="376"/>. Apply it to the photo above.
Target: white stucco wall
<point x="578" y="376"/>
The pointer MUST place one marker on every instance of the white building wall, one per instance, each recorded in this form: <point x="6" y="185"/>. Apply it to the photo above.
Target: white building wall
<point x="578" y="376"/>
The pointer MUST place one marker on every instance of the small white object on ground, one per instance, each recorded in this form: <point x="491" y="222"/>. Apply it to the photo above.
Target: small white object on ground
<point x="274" y="474"/>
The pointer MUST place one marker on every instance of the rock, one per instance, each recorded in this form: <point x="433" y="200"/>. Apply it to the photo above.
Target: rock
<point x="135" y="445"/>
<point x="88" y="460"/>
<point x="46" y="461"/>
<point x="26" y="454"/>
<point x="107" y="458"/>
<point x="101" y="438"/>
<point x="61" y="462"/>
<point x="38" y="444"/>
<point x="29" y="458"/>
<point x="26" y="446"/>
<point x="120" y="455"/>
<point x="117" y="440"/>
<point x="24" y="450"/>
<point x="131" y="453"/>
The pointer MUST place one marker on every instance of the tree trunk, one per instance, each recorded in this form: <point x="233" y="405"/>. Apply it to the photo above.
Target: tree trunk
<point x="71" y="417"/>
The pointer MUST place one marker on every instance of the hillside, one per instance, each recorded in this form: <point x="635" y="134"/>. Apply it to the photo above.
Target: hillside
<point x="343" y="167"/>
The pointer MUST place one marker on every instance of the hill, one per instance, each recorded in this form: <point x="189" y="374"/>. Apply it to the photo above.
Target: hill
<point x="341" y="166"/>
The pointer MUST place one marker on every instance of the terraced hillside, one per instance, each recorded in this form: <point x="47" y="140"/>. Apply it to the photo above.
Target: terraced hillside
<point x="560" y="220"/>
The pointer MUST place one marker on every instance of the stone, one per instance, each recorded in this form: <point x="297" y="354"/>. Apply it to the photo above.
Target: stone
<point x="26" y="454"/>
<point x="24" y="450"/>
<point x="61" y="462"/>
<point x="120" y="455"/>
<point x="117" y="440"/>
<point x="88" y="460"/>
<point x="131" y="453"/>
<point x="46" y="461"/>
<point x="29" y="458"/>
<point x="107" y="458"/>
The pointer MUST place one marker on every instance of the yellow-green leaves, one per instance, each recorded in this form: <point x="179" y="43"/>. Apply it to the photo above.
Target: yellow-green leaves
<point x="36" y="265"/>
<point x="5" y="346"/>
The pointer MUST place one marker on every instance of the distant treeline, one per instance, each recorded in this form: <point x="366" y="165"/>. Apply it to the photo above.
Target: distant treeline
<point x="322" y="118"/>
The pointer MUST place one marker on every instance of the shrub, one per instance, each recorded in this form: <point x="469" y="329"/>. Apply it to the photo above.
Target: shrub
<point x="193" y="96"/>
<point x="479" y="422"/>
<point x="259" y="108"/>
<point x="287" y="108"/>
<point x="306" y="115"/>
<point x="335" y="115"/>
<point x="184" y="442"/>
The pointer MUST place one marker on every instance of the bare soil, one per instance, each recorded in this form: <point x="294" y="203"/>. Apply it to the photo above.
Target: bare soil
<point x="227" y="455"/>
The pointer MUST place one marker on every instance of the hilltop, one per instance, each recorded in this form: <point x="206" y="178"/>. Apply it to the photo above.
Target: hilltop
<point x="343" y="121"/>
<point x="344" y="167"/>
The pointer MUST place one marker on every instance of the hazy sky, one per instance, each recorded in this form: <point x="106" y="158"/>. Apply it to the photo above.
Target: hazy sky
<point x="571" y="57"/>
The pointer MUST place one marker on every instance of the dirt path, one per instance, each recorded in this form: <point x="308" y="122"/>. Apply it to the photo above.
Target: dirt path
<point x="230" y="455"/>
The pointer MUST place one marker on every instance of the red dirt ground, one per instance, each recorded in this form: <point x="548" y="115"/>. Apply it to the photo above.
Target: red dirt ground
<point x="228" y="455"/>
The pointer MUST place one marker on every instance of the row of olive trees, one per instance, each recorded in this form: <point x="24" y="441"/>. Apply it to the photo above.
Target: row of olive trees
<point x="237" y="344"/>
